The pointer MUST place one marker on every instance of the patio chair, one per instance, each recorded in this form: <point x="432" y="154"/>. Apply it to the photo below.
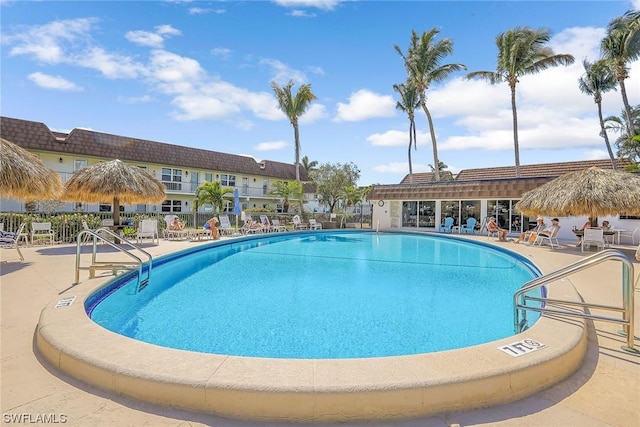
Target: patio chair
<point x="170" y="234"/>
<point x="593" y="237"/>
<point x="469" y="227"/>
<point x="448" y="223"/>
<point x="225" y="228"/>
<point x="298" y="224"/>
<point x="266" y="224"/>
<point x="251" y="227"/>
<point x="148" y="229"/>
<point x="42" y="231"/>
<point x="635" y="234"/>
<point x="277" y="226"/>
<point x="10" y="240"/>
<point x="552" y="238"/>
<point x="314" y="225"/>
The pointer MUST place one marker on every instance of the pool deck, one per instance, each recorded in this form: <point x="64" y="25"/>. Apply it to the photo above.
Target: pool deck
<point x="605" y="391"/>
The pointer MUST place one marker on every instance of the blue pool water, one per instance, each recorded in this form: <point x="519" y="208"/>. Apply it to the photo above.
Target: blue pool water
<point x="322" y="295"/>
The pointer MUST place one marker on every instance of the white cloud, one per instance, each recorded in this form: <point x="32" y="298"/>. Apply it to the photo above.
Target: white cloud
<point x="135" y="100"/>
<point x="401" y="168"/>
<point x="49" y="42"/>
<point x="318" y="4"/>
<point x="112" y="66"/>
<point x="152" y="39"/>
<point x="314" y="113"/>
<point x="364" y="105"/>
<point x="302" y="14"/>
<point x="53" y="82"/>
<point x="282" y="73"/>
<point x="221" y="52"/>
<point x="270" y="146"/>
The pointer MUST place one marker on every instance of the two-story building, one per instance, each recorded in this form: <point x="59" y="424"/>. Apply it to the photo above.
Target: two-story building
<point x="181" y="169"/>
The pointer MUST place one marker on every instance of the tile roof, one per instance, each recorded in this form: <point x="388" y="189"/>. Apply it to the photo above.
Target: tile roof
<point x="37" y="136"/>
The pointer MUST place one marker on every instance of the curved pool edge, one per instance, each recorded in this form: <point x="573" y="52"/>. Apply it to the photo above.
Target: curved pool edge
<point x="309" y="390"/>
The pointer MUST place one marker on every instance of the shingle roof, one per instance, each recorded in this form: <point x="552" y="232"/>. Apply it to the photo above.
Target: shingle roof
<point x="37" y="136"/>
<point x="537" y="170"/>
<point x="498" y="182"/>
<point x="422" y="177"/>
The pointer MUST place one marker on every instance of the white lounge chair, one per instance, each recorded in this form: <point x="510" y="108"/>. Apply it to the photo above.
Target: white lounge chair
<point x="148" y="229"/>
<point x="552" y="238"/>
<point x="314" y="225"/>
<point x="592" y="237"/>
<point x="10" y="240"/>
<point x="41" y="231"/>
<point x="277" y="226"/>
<point x="170" y="234"/>
<point x="266" y="224"/>
<point x="298" y="224"/>
<point x="251" y="227"/>
<point x="225" y="228"/>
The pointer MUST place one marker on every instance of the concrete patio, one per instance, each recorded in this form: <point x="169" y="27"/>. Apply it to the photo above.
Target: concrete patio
<point x="605" y="391"/>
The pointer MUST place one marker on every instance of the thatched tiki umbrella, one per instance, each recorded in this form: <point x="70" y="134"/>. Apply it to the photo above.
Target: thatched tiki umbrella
<point x="593" y="192"/>
<point x="23" y="175"/>
<point x="114" y="180"/>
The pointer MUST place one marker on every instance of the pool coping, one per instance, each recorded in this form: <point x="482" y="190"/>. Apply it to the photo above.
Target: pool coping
<point x="306" y="389"/>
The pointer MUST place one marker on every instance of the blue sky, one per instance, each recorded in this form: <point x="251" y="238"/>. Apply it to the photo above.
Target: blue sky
<point x="198" y="73"/>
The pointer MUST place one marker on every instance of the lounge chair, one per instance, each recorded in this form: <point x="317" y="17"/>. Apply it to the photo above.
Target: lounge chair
<point x="266" y="224"/>
<point x="448" y="223"/>
<point x="314" y="225"/>
<point x="277" y="226"/>
<point x="170" y="234"/>
<point x="298" y="224"/>
<point x="225" y="228"/>
<point x="148" y="229"/>
<point x="552" y="238"/>
<point x="469" y="227"/>
<point x="592" y="237"/>
<point x="251" y="227"/>
<point x="10" y="240"/>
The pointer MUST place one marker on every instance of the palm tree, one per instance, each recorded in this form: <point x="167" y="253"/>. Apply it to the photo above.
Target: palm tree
<point x="309" y="165"/>
<point x="619" y="47"/>
<point x="596" y="80"/>
<point x="628" y="144"/>
<point x="287" y="190"/>
<point x="422" y="63"/>
<point x="294" y="107"/>
<point x="214" y="194"/>
<point x="409" y="101"/>
<point x="521" y="51"/>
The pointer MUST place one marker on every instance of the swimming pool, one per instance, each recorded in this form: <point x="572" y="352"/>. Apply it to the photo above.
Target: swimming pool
<point x="323" y="296"/>
<point x="293" y="389"/>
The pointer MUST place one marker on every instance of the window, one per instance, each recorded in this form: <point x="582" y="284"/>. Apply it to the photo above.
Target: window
<point x="104" y="208"/>
<point x="245" y="186"/>
<point x="172" y="206"/>
<point x="208" y="177"/>
<point x="228" y="180"/>
<point x="265" y="187"/>
<point x="172" y="179"/>
<point x="30" y="206"/>
<point x="79" y="164"/>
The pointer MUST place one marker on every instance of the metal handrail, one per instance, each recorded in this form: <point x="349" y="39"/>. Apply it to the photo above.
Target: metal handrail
<point x="520" y="298"/>
<point x="97" y="236"/>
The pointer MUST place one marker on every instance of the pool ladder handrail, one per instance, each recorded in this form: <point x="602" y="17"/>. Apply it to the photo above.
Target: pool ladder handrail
<point x="520" y="297"/>
<point x="97" y="235"/>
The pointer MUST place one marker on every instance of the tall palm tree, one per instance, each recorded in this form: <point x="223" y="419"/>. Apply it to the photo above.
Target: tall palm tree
<point x="619" y="47"/>
<point x="409" y="101"/>
<point x="309" y="165"/>
<point x="422" y="63"/>
<point x="628" y="144"/>
<point x="521" y="51"/>
<point x="294" y="106"/>
<point x="596" y="80"/>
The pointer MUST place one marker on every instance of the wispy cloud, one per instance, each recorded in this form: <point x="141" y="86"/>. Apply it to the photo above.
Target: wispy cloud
<point x="271" y="145"/>
<point x="282" y="73"/>
<point x="135" y="100"/>
<point x="221" y="52"/>
<point x="152" y="39"/>
<point x="318" y="4"/>
<point x="53" y="82"/>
